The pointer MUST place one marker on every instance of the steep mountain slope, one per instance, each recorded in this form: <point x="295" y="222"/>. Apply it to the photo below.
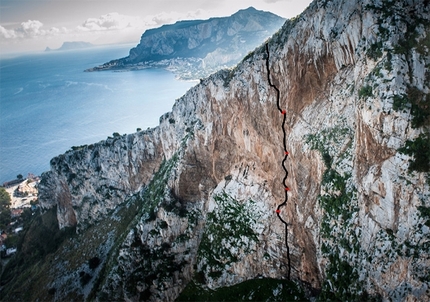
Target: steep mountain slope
<point x="195" y="49"/>
<point x="353" y="80"/>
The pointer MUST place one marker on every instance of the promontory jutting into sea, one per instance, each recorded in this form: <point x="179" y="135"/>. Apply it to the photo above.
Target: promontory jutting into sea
<point x="49" y="104"/>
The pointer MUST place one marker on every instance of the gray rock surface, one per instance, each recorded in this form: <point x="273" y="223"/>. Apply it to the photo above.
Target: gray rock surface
<point x="358" y="217"/>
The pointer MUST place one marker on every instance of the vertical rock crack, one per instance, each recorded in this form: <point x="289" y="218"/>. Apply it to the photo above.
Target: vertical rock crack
<point x="284" y="181"/>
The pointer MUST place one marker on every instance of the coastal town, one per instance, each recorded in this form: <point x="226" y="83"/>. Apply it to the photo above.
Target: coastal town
<point x="19" y="201"/>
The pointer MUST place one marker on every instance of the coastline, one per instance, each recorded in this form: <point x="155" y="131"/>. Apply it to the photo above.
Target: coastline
<point x="93" y="106"/>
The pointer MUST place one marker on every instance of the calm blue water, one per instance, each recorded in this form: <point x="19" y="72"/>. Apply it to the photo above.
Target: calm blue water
<point x="48" y="104"/>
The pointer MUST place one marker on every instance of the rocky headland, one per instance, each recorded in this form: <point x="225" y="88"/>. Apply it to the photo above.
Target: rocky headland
<point x="71" y="46"/>
<point x="189" y="207"/>
<point x="197" y="48"/>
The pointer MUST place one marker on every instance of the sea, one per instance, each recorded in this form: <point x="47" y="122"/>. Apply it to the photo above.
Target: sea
<point x="49" y="104"/>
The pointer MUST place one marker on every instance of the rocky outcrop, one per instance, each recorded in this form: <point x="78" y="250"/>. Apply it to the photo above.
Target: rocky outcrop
<point x="195" y="49"/>
<point x="72" y="45"/>
<point x="351" y="75"/>
<point x="90" y="181"/>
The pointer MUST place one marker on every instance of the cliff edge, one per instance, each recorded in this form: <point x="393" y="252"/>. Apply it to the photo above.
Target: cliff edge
<point x="353" y="78"/>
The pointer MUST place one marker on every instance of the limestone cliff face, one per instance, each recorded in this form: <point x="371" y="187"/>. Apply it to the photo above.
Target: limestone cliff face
<point x="353" y="78"/>
<point x="88" y="183"/>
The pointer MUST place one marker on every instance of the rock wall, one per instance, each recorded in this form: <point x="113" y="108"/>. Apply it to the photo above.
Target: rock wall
<point x="90" y="181"/>
<point x="351" y="75"/>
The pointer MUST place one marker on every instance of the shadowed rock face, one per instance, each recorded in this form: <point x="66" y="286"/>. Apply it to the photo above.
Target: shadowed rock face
<point x="355" y="213"/>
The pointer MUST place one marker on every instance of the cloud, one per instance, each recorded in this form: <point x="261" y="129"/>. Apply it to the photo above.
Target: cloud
<point x="115" y="21"/>
<point x="162" y="18"/>
<point x="111" y="21"/>
<point x="108" y="22"/>
<point x="173" y="16"/>
<point x="29" y="29"/>
<point x="7" y="33"/>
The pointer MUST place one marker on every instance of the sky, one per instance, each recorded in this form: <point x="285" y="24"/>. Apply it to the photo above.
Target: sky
<point x="33" y="25"/>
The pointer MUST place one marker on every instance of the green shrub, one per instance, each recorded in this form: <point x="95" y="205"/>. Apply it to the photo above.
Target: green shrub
<point x="365" y="91"/>
<point x="94" y="262"/>
<point x="229" y="223"/>
<point x="425" y="213"/>
<point x="419" y="148"/>
<point x="420" y="109"/>
<point x="342" y="281"/>
<point x="163" y="224"/>
<point x="40" y="237"/>
<point x="399" y="102"/>
<point x="250" y="290"/>
<point x="84" y="278"/>
<point x="375" y="51"/>
<point x="388" y="65"/>
<point x="327" y="159"/>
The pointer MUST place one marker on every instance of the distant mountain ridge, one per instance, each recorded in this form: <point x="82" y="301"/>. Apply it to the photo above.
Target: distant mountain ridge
<point x="196" y="48"/>
<point x="72" y="45"/>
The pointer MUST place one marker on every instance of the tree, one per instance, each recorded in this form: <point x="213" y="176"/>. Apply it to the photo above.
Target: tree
<point x="5" y="218"/>
<point x="19" y="176"/>
<point x="4" y="199"/>
<point x="4" y="208"/>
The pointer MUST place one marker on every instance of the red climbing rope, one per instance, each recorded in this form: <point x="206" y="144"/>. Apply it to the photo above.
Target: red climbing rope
<point x="286" y="153"/>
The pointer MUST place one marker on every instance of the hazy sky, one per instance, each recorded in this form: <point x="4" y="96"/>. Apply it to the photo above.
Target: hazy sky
<point x="32" y="25"/>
